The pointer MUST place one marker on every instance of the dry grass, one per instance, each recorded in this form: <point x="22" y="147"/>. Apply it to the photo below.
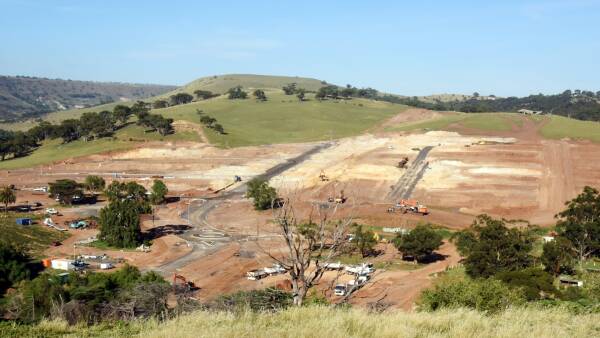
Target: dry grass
<point x="315" y="321"/>
<point x="328" y="322"/>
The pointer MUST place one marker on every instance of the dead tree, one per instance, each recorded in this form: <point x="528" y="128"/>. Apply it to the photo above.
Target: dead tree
<point x="309" y="242"/>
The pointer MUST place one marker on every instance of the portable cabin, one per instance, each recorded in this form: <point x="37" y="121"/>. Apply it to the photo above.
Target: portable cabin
<point x="24" y="221"/>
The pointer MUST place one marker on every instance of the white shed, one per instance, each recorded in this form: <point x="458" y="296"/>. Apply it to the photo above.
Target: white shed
<point x="62" y="264"/>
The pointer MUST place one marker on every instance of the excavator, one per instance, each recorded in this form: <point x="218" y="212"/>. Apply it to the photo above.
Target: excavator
<point x="236" y="179"/>
<point x="182" y="284"/>
<point x="402" y="163"/>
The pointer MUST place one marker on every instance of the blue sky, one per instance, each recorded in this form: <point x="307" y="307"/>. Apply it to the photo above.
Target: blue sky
<point x="405" y="47"/>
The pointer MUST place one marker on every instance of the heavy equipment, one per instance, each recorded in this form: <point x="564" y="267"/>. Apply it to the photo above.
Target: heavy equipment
<point x="402" y="163"/>
<point x="338" y="199"/>
<point x="323" y="177"/>
<point x="411" y="205"/>
<point x="180" y="283"/>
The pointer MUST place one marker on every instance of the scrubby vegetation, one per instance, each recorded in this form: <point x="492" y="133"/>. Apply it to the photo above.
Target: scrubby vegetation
<point x="582" y="105"/>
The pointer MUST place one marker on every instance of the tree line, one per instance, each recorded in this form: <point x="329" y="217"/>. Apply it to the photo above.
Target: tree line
<point x="89" y="126"/>
<point x="582" y="105"/>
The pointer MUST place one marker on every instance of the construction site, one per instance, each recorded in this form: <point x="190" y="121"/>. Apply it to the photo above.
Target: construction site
<point x="210" y="236"/>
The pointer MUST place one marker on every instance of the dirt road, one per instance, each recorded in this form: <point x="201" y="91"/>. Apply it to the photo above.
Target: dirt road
<point x="205" y="239"/>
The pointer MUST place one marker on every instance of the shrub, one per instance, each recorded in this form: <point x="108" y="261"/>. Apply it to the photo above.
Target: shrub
<point x="490" y="296"/>
<point x="269" y="299"/>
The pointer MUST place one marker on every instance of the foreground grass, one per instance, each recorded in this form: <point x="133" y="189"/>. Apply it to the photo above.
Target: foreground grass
<point x="36" y="238"/>
<point x="560" y="127"/>
<point x="126" y="138"/>
<point x="320" y="321"/>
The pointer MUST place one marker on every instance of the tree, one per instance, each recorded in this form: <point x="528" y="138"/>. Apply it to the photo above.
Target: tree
<point x="120" y="224"/>
<point x="204" y="94"/>
<point x="207" y="121"/>
<point x="159" y="192"/>
<point x="300" y="94"/>
<point x="120" y="191"/>
<point x="260" y="95"/>
<point x="534" y="282"/>
<point x="308" y="244"/>
<point x="69" y="130"/>
<point x="475" y="94"/>
<point x="364" y="240"/>
<point x="140" y="109"/>
<point x="496" y="248"/>
<point x="580" y="223"/>
<point x="264" y="196"/>
<point x="14" y="266"/>
<point x="180" y="98"/>
<point x="419" y="242"/>
<point x="289" y="89"/>
<point x="236" y="93"/>
<point x="64" y="190"/>
<point x="159" y="104"/>
<point x="121" y="113"/>
<point x="219" y="128"/>
<point x="94" y="183"/>
<point x="7" y="196"/>
<point x="558" y="256"/>
<point x="464" y="241"/>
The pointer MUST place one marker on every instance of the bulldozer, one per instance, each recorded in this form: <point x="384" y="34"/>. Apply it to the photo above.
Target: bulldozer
<point x="410" y="205"/>
<point x="402" y="163"/>
<point x="338" y="199"/>
<point x="323" y="177"/>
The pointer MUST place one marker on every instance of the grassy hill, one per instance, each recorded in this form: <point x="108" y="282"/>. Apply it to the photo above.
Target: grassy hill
<point x="216" y="84"/>
<point x="284" y="119"/>
<point x="221" y="83"/>
<point x="36" y="238"/>
<point x="30" y="97"/>
<point x="321" y="321"/>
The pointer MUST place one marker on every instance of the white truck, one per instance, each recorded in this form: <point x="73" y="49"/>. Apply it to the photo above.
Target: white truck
<point x="333" y="266"/>
<point x="256" y="274"/>
<point x="351" y="285"/>
<point x="361" y="269"/>
<point x="274" y="270"/>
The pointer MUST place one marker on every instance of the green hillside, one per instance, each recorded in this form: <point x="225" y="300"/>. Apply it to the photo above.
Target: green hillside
<point x="126" y="138"/>
<point x="216" y="84"/>
<point x="561" y="127"/>
<point x="480" y="121"/>
<point x="284" y="119"/>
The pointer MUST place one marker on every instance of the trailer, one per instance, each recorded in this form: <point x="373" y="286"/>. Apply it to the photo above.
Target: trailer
<point x="24" y="221"/>
<point x="63" y="264"/>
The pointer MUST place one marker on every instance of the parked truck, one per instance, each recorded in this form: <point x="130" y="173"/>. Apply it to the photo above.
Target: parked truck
<point x="411" y="205"/>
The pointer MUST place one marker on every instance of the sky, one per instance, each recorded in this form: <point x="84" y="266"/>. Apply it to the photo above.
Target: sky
<point x="505" y="48"/>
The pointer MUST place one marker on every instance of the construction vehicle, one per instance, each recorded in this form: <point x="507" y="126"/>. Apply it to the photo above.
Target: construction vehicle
<point x="323" y="177"/>
<point x="402" y="163"/>
<point x="236" y="179"/>
<point x="183" y="283"/>
<point x="338" y="199"/>
<point x="411" y="205"/>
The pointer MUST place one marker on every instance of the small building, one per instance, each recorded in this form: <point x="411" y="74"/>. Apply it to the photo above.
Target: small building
<point x="106" y="266"/>
<point x="62" y="264"/>
<point x="548" y="239"/>
<point x="24" y="221"/>
<point x="568" y="281"/>
<point x="530" y="112"/>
